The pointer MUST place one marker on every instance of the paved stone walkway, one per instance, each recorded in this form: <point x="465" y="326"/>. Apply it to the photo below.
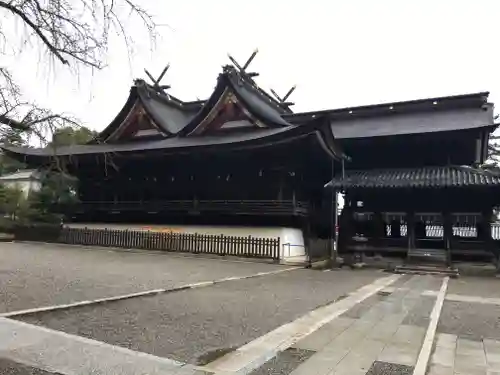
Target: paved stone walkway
<point x="356" y="346"/>
<point x="454" y="355"/>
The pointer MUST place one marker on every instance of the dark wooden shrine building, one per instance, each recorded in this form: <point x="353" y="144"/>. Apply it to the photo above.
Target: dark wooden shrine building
<point x="243" y="157"/>
<point x="235" y="158"/>
<point x="415" y="183"/>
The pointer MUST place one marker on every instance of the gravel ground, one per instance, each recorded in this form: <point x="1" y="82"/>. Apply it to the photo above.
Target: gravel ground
<point x="8" y="367"/>
<point x="475" y="286"/>
<point x="470" y="320"/>
<point x="191" y="324"/>
<point x="284" y="363"/>
<point x="34" y="275"/>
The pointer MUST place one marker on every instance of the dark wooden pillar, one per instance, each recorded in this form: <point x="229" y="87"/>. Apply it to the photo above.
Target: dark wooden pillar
<point x="378" y="229"/>
<point x="281" y="183"/>
<point x="306" y="232"/>
<point x="346" y="228"/>
<point x="448" y="235"/>
<point x="410" y="224"/>
<point x="486" y="216"/>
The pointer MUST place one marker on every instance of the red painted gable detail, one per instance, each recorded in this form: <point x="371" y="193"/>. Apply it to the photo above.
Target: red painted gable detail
<point x="136" y="122"/>
<point x="227" y="109"/>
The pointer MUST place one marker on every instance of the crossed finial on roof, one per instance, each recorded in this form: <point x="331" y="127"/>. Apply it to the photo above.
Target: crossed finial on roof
<point x="243" y="68"/>
<point x="283" y="99"/>
<point x="156" y="82"/>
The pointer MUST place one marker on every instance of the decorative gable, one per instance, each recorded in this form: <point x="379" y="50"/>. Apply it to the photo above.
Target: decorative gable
<point x="137" y="124"/>
<point x="227" y="113"/>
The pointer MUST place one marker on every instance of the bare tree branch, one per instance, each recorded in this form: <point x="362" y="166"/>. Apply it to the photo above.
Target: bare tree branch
<point x="36" y="28"/>
<point x="74" y="32"/>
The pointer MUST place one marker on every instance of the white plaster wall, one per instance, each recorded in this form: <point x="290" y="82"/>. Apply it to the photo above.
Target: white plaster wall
<point x="292" y="236"/>
<point x="293" y="243"/>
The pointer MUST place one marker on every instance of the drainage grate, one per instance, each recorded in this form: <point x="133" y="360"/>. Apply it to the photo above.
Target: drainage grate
<point x="284" y="363"/>
<point x="387" y="368"/>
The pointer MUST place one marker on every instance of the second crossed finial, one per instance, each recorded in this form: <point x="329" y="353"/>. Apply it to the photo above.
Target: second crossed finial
<point x="156" y="82"/>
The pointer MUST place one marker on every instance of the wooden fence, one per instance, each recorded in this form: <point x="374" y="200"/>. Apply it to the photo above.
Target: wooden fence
<point x="181" y="242"/>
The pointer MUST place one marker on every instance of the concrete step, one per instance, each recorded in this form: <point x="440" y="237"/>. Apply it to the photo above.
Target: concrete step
<point x="427" y="257"/>
<point x="426" y="270"/>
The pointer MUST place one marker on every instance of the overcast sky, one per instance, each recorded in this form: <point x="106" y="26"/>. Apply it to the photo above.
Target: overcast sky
<point x="338" y="53"/>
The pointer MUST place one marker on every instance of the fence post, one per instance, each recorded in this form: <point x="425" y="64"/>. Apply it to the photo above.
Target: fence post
<point x="194" y="242"/>
<point x="225" y="243"/>
<point x="182" y="242"/>
<point x="211" y="243"/>
<point x="175" y="242"/>
<point x="150" y="240"/>
<point x="277" y="249"/>
<point x="230" y="245"/>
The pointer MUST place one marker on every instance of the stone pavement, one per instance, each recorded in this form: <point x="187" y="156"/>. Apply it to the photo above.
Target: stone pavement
<point x="459" y="356"/>
<point x="377" y="340"/>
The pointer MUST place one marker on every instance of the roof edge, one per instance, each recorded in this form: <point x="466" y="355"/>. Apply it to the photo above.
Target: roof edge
<point x="443" y="102"/>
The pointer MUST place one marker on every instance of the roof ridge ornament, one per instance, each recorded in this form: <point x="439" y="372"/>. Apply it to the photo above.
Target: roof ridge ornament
<point x="242" y="69"/>
<point x="282" y="100"/>
<point x="156" y="82"/>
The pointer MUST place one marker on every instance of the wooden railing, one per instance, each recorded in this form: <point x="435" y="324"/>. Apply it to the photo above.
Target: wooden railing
<point x="181" y="242"/>
<point x="463" y="242"/>
<point x="270" y="207"/>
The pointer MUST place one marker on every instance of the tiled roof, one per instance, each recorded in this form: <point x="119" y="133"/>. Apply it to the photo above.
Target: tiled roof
<point x="424" y="177"/>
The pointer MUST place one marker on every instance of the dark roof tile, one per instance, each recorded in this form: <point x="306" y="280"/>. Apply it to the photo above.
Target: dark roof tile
<point x="424" y="177"/>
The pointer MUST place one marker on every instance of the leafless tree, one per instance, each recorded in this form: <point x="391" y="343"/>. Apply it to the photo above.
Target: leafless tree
<point x="70" y="32"/>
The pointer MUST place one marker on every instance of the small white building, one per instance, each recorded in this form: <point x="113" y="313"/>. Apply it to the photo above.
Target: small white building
<point x="26" y="180"/>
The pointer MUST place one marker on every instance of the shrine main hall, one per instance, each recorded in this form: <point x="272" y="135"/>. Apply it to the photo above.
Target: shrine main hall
<point x="242" y="162"/>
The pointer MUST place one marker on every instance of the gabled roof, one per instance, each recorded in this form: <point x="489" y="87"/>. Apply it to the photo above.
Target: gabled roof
<point x="424" y="177"/>
<point x="238" y="114"/>
<point x="168" y="114"/>
<point x="233" y="86"/>
<point x="172" y="117"/>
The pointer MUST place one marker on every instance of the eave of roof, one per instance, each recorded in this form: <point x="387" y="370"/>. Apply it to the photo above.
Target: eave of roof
<point x="256" y="138"/>
<point x="424" y="177"/>
<point x="429" y="104"/>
